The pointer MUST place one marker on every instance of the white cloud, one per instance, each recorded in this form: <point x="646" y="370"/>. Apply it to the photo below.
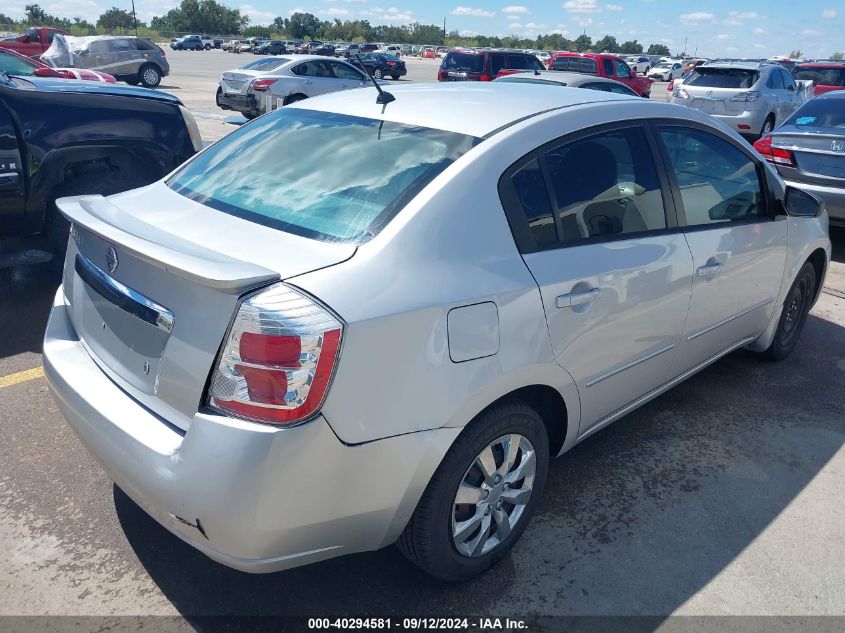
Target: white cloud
<point x="297" y="10"/>
<point x="759" y="31"/>
<point x="478" y="13"/>
<point x="334" y="12"/>
<point x="388" y="15"/>
<point x="256" y="16"/>
<point x="829" y="13"/>
<point x="614" y="7"/>
<point x="725" y="36"/>
<point x="536" y="27"/>
<point x="738" y="18"/>
<point x="514" y="18"/>
<point x="581" y="6"/>
<point x="696" y="17"/>
<point x="515" y="8"/>
<point x="810" y="33"/>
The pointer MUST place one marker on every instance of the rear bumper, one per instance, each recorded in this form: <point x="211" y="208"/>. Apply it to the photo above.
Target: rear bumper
<point x="834" y="199"/>
<point x="250" y="496"/>
<point x="749" y="122"/>
<point x="239" y="103"/>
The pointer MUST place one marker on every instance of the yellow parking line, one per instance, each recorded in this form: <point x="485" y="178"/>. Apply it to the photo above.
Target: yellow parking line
<point x="21" y="376"/>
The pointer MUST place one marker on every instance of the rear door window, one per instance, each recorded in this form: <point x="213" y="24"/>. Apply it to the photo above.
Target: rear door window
<point x="517" y="62"/>
<point x="775" y="81"/>
<point x="821" y="76"/>
<point x="608" y="67"/>
<point x="575" y="64"/>
<point x="497" y="62"/>
<point x="622" y="69"/>
<point x="467" y="62"/>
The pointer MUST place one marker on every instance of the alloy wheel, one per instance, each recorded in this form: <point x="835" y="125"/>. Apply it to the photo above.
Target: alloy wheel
<point x="493" y="494"/>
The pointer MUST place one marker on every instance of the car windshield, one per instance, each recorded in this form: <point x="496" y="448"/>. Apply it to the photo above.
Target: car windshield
<point x="469" y="62"/>
<point x="366" y="171"/>
<point x="575" y="64"/>
<point x="16" y="66"/>
<point x="822" y="76"/>
<point x="707" y="77"/>
<point x="827" y="113"/>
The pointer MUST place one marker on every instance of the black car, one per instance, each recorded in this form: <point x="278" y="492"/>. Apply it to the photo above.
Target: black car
<point x="63" y="138"/>
<point x="482" y="65"/>
<point x="369" y="47"/>
<point x="187" y="43"/>
<point x="274" y="47"/>
<point x="380" y="65"/>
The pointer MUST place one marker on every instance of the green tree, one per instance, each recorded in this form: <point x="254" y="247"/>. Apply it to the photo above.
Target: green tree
<point x="583" y="43"/>
<point x="632" y="46"/>
<point x="837" y="56"/>
<point x="280" y="25"/>
<point x="302" y="25"/>
<point x="796" y="55"/>
<point x="658" y="49"/>
<point x="6" y="20"/>
<point x="201" y="16"/>
<point x="115" y="19"/>
<point x="36" y="15"/>
<point x="607" y="43"/>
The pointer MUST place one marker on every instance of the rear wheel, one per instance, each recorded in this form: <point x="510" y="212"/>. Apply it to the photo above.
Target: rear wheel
<point x="294" y="98"/>
<point x="794" y="314"/>
<point x="149" y="75"/>
<point x="378" y="74"/>
<point x="482" y="495"/>
<point x="208" y="47"/>
<point x="768" y="125"/>
<point x="217" y="100"/>
<point x="395" y="77"/>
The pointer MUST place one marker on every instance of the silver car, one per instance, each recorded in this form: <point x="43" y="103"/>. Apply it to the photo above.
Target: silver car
<point x="808" y="151"/>
<point x="350" y="324"/>
<point x="266" y="84"/>
<point x="750" y="97"/>
<point x="572" y="80"/>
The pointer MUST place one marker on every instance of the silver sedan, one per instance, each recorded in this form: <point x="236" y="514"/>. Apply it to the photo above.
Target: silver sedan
<point x="572" y="80"/>
<point x="354" y="323"/>
<point x="268" y="83"/>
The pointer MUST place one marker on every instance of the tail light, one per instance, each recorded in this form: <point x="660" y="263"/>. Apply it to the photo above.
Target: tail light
<point x="671" y="86"/>
<point x="391" y="63"/>
<point x="485" y="77"/>
<point x="774" y="155"/>
<point x="747" y="97"/>
<point x="441" y="75"/>
<point x="262" y="85"/>
<point x="278" y="359"/>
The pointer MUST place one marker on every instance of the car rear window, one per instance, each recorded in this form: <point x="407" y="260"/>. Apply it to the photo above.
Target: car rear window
<point x="365" y="172"/>
<point x="822" y="76"/>
<point x="827" y="113"/>
<point x="271" y="63"/>
<point x="723" y="78"/>
<point x="575" y="65"/>
<point x="468" y="62"/>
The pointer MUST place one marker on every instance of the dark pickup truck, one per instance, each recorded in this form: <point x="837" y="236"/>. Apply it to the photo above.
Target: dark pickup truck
<point x="62" y="137"/>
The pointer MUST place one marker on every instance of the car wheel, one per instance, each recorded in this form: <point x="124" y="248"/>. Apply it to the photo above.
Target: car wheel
<point x="294" y="98"/>
<point x="395" y="77"/>
<point x="217" y="100"/>
<point x="249" y="116"/>
<point x="207" y="47"/>
<point x="149" y="75"/>
<point x="768" y="125"/>
<point x="647" y="68"/>
<point x="377" y="74"/>
<point x="482" y="495"/>
<point x="794" y="314"/>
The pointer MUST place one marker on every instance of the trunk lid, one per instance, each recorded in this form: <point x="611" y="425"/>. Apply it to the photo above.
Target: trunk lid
<point x="236" y="82"/>
<point x="819" y="154"/>
<point x="153" y="280"/>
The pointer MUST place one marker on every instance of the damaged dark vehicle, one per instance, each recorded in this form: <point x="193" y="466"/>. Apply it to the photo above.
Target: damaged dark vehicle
<point x="61" y="137"/>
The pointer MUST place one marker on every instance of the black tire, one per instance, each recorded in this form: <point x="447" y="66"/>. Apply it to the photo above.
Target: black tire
<point x="294" y="98"/>
<point x="149" y="75"/>
<point x="395" y="77"/>
<point x="427" y="539"/>
<point x="249" y="116"/>
<point x="217" y="100"/>
<point x="796" y="307"/>
<point x="133" y="81"/>
<point x="768" y="125"/>
<point x="377" y="74"/>
<point x="207" y="47"/>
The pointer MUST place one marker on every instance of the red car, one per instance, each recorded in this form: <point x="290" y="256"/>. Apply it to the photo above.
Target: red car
<point x="826" y="76"/>
<point x="14" y="63"/>
<point x="602" y="65"/>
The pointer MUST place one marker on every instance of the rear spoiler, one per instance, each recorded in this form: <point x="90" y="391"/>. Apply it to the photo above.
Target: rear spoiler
<point x="161" y="249"/>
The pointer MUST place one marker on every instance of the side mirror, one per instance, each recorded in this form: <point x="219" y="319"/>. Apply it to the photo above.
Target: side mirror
<point x="801" y="204"/>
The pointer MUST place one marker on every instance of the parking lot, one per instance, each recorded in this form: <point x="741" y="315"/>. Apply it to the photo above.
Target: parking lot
<point x="723" y="496"/>
<point x="194" y="77"/>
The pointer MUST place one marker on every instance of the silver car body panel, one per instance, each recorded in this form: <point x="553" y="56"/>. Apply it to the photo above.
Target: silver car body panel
<point x="403" y="388"/>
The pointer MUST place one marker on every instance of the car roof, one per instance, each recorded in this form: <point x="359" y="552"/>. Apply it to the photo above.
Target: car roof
<point x="833" y="94"/>
<point x="744" y="65"/>
<point x="563" y="76"/>
<point x="472" y="108"/>
<point x="821" y="65"/>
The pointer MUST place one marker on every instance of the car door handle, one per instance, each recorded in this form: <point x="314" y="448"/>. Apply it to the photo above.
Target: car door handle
<point x="9" y="179"/>
<point x="308" y="82"/>
<point x="577" y="298"/>
<point x="709" y="270"/>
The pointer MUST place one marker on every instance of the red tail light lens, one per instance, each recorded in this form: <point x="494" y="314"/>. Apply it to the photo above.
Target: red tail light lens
<point x="774" y="155"/>
<point x="671" y="85"/>
<point x="441" y="75"/>
<point x="261" y="85"/>
<point x="278" y="359"/>
<point x="485" y="77"/>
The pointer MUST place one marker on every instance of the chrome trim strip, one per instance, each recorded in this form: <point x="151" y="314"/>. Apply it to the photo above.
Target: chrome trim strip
<point x="124" y="297"/>
<point x="719" y="324"/>
<point x="628" y="365"/>
<point x="663" y="388"/>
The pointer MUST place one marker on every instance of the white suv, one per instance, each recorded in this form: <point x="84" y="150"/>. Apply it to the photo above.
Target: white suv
<point x="640" y="63"/>
<point x="749" y="97"/>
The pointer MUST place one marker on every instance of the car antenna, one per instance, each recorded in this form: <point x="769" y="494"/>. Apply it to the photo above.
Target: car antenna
<point x="383" y="97"/>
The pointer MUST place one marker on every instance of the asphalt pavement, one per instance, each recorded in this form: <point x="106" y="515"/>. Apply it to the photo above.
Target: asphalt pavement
<point x="724" y="496"/>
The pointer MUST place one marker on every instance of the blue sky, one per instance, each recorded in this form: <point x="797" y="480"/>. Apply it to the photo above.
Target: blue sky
<point x="719" y="27"/>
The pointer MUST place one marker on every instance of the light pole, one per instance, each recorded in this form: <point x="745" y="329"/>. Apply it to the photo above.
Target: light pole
<point x="134" y="18"/>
